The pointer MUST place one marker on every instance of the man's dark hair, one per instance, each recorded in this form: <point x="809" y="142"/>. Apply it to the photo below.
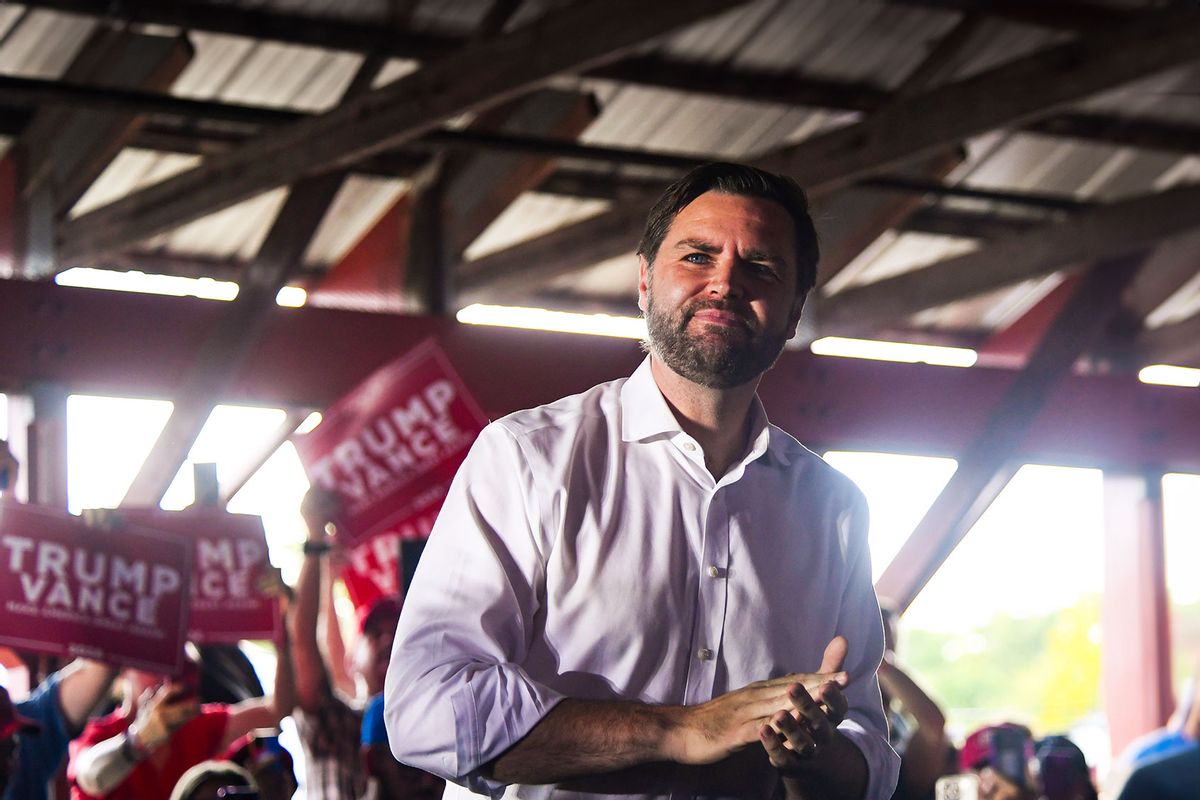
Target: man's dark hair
<point x="745" y="181"/>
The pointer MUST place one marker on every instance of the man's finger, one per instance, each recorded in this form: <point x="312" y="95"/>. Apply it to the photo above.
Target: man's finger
<point x="800" y="739"/>
<point x="835" y="655"/>
<point x="830" y="694"/>
<point x="811" y="713"/>
<point x="779" y="756"/>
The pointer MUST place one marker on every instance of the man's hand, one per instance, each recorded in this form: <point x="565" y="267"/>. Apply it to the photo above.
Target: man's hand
<point x="161" y="714"/>
<point x="794" y="736"/>
<point x="714" y="730"/>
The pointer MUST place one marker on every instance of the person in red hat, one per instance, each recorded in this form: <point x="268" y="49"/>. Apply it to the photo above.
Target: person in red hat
<point x="35" y="732"/>
<point x="1001" y="756"/>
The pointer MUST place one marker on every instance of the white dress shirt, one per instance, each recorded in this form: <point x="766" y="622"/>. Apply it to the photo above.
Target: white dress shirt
<point x="584" y="550"/>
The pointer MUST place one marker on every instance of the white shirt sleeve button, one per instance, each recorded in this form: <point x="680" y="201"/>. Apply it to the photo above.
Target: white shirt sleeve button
<point x="713" y="572"/>
<point x="704" y="654"/>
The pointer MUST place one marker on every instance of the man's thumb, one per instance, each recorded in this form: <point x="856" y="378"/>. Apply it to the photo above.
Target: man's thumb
<point x="835" y="654"/>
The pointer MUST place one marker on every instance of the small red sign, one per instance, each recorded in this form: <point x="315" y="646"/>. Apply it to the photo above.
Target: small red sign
<point x="372" y="568"/>
<point x="390" y="448"/>
<point x="69" y="590"/>
<point x="228" y="565"/>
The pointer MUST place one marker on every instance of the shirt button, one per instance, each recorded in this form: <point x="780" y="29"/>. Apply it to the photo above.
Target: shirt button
<point x="704" y="654"/>
<point x="689" y="446"/>
<point x="713" y="572"/>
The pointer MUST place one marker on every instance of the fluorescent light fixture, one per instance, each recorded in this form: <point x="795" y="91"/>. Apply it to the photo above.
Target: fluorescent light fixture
<point x="542" y="319"/>
<point x="310" y="422"/>
<point x="134" y="281"/>
<point x="894" y="351"/>
<point x="292" y="297"/>
<point x="1167" y="375"/>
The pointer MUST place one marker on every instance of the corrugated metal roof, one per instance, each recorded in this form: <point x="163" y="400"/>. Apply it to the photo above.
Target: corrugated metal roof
<point x="874" y="42"/>
<point x="40" y="44"/>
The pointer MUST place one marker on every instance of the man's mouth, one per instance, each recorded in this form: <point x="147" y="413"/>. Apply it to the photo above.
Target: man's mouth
<point x="722" y="318"/>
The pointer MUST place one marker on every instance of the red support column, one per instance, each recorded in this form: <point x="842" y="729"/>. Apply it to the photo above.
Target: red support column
<point x="1136" y="658"/>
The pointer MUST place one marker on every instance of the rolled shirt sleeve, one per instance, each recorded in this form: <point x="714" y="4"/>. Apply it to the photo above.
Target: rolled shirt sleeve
<point x="456" y="695"/>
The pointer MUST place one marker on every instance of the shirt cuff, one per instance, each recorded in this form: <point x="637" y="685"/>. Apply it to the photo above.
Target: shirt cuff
<point x="883" y="765"/>
<point x="496" y="708"/>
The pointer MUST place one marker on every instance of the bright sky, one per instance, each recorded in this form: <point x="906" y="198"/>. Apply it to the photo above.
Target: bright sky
<point x="1046" y="517"/>
<point x="108" y="438"/>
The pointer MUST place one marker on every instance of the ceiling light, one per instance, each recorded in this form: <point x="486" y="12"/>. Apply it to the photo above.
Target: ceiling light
<point x="894" y="351"/>
<point x="542" y="319"/>
<point x="134" y="281"/>
<point x="291" y="297"/>
<point x="1167" y="375"/>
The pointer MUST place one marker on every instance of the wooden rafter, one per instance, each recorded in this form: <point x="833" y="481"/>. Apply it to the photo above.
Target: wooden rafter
<point x="1102" y="232"/>
<point x="62" y="150"/>
<point x="582" y="35"/>
<point x="231" y="341"/>
<point x="1011" y="94"/>
<point x="1177" y="343"/>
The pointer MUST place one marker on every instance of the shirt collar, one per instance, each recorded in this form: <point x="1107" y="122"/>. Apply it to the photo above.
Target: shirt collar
<point x="644" y="410"/>
<point x="645" y="413"/>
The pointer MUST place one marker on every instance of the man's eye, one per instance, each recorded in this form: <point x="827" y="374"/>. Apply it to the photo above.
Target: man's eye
<point x="696" y="258"/>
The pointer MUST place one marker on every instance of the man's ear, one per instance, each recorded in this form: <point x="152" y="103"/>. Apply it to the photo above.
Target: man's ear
<point x="794" y="316"/>
<point x="643" y="283"/>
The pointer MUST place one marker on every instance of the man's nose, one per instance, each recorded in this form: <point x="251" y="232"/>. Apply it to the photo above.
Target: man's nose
<point x="725" y="279"/>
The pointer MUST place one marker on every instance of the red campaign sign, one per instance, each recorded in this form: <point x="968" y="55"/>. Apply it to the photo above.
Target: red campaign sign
<point x="69" y="590"/>
<point x="390" y="448"/>
<point x="372" y="568"/>
<point x="228" y="563"/>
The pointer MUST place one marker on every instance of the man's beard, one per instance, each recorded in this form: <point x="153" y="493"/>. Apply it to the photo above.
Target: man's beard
<point x="724" y="357"/>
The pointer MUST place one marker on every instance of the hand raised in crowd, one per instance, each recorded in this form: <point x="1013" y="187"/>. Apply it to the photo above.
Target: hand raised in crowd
<point x="319" y="509"/>
<point x="160" y="713"/>
<point x="716" y="729"/>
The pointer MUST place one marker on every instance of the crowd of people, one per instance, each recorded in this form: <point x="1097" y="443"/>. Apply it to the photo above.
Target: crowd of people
<point x="641" y="591"/>
<point x="210" y="731"/>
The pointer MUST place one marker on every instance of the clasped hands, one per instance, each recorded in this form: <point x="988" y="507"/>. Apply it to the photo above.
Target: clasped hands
<point x="792" y="716"/>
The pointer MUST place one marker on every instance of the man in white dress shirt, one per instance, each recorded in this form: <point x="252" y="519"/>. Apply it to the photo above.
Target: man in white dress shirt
<point x="647" y="590"/>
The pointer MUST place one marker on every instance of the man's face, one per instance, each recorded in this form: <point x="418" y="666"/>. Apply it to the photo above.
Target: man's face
<point x="720" y="300"/>
<point x="373" y="653"/>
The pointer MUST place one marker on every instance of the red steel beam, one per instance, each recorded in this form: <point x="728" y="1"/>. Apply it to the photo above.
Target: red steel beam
<point x="992" y="457"/>
<point x="1136" y="659"/>
<point x="140" y="345"/>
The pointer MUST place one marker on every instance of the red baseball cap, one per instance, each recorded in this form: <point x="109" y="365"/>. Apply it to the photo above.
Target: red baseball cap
<point x="383" y="610"/>
<point x="978" y="751"/>
<point x="12" y="723"/>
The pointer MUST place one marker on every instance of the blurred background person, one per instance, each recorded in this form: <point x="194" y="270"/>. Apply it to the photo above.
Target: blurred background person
<point x="916" y="725"/>
<point x="161" y="730"/>
<point x="215" y="780"/>
<point x="35" y="732"/>
<point x="1062" y="770"/>
<point x="1001" y="757"/>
